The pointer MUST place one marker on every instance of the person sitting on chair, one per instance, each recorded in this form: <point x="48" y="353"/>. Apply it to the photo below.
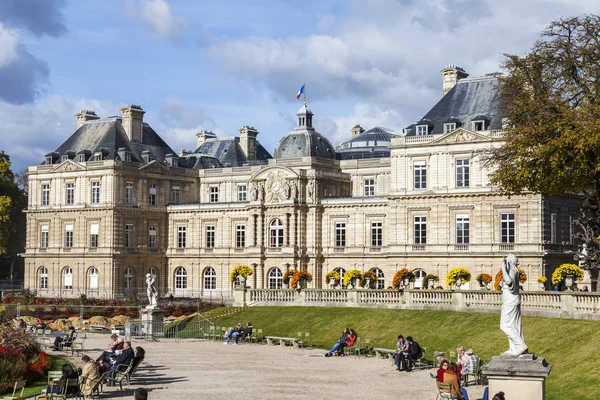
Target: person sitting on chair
<point x="451" y="378"/>
<point x="124" y="359"/>
<point x="471" y="364"/>
<point x="340" y="343"/>
<point x="413" y="354"/>
<point x="444" y="364"/>
<point x="65" y="340"/>
<point x="117" y="344"/>
<point x="247" y="332"/>
<point x="401" y="347"/>
<point x="234" y="332"/>
<point x="67" y="373"/>
<point x="90" y="372"/>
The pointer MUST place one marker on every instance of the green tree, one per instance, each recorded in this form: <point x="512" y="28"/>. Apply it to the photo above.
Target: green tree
<point x="551" y="98"/>
<point x="12" y="219"/>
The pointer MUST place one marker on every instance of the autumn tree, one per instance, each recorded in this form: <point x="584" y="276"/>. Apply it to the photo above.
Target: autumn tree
<point x="551" y="99"/>
<point x="12" y="219"/>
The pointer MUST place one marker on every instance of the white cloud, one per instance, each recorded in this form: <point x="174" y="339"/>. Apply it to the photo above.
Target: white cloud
<point x="157" y="15"/>
<point x="9" y="42"/>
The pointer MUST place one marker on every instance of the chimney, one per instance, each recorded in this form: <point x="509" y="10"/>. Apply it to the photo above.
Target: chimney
<point x="248" y="141"/>
<point x="203" y="135"/>
<point x="451" y="75"/>
<point x="133" y="121"/>
<point x="357" y="131"/>
<point x="85" y="115"/>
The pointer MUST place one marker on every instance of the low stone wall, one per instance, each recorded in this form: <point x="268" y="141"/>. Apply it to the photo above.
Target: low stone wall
<point x="578" y="305"/>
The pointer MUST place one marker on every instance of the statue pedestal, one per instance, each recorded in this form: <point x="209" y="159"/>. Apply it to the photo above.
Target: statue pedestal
<point x="152" y="322"/>
<point x="519" y="377"/>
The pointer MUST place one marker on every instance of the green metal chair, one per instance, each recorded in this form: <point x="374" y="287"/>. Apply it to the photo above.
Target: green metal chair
<point x="307" y="339"/>
<point x="18" y="385"/>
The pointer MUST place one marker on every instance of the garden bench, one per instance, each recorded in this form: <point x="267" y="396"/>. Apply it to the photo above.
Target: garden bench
<point x="282" y="341"/>
<point x="379" y="352"/>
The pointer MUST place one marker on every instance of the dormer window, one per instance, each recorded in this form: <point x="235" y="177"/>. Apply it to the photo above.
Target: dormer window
<point x="81" y="158"/>
<point x="449" y="127"/>
<point x="422" y="130"/>
<point x="478" y="125"/>
<point x="128" y="157"/>
<point x="48" y="160"/>
<point x="64" y="158"/>
<point x="98" y="156"/>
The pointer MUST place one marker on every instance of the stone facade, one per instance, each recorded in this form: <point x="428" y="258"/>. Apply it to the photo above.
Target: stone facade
<point x="428" y="206"/>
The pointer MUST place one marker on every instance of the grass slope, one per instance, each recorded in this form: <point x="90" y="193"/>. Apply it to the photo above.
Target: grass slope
<point x="569" y="345"/>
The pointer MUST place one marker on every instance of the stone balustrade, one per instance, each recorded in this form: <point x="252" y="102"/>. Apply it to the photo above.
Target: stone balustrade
<point x="577" y="305"/>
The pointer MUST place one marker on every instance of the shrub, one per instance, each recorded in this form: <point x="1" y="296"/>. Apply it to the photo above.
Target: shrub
<point x="499" y="275"/>
<point x="302" y="274"/>
<point x="13" y="366"/>
<point x="351" y="274"/>
<point x="399" y="277"/>
<point x="369" y="274"/>
<point x="563" y="270"/>
<point x="458" y="273"/>
<point x="288" y="275"/>
<point x="483" y="279"/>
<point x="241" y="270"/>
<point x="542" y="279"/>
<point x="16" y="338"/>
<point x="427" y="278"/>
<point x="332" y="274"/>
<point x="37" y="366"/>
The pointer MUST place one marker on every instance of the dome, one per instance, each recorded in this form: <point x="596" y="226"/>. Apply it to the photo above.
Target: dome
<point x="302" y="142"/>
<point x="375" y="137"/>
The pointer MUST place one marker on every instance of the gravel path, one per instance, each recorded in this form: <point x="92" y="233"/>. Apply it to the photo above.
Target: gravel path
<point x="193" y="369"/>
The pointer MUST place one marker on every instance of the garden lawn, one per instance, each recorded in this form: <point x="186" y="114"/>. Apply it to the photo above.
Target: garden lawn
<point x="569" y="345"/>
<point x="36" y="387"/>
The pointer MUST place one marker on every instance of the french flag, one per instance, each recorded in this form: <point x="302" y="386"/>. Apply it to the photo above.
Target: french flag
<point x="300" y="92"/>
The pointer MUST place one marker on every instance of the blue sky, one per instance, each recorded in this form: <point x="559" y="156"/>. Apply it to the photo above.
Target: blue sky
<point x="220" y="65"/>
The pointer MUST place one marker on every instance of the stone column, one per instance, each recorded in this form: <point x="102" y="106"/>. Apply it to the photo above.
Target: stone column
<point x="254" y="276"/>
<point x="519" y="377"/>
<point x="252" y="226"/>
<point x="293" y="230"/>
<point x="239" y="296"/>
<point x="261" y="276"/>
<point x="260" y="228"/>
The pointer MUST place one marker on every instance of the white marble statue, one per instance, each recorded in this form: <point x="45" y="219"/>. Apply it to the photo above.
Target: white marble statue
<point x="510" y="320"/>
<point x="151" y="291"/>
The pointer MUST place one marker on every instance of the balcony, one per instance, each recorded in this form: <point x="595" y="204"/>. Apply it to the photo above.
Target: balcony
<point x="419" y="247"/>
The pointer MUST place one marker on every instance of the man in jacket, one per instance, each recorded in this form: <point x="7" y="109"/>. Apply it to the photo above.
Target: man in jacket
<point x="124" y="358"/>
<point x="414" y="352"/>
<point x="90" y="372"/>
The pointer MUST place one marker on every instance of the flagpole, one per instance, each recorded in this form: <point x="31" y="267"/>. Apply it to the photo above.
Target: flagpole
<point x="305" y="94"/>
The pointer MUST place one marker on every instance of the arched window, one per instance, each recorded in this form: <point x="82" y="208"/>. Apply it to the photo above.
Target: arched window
<point x="129" y="277"/>
<point x="93" y="275"/>
<point x="380" y="284"/>
<point x="341" y="271"/>
<point x="68" y="278"/>
<point x="43" y="278"/>
<point x="276" y="233"/>
<point x="180" y="281"/>
<point x="419" y="275"/>
<point x="210" y="279"/>
<point x="275" y="279"/>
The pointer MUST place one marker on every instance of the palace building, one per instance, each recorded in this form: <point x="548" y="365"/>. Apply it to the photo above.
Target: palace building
<point x="114" y="202"/>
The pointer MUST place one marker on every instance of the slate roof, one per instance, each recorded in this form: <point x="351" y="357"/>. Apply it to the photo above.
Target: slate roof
<point x="374" y="143"/>
<point x="229" y="152"/>
<point x="199" y="161"/>
<point x="108" y="136"/>
<point x="470" y="100"/>
<point x="304" y="142"/>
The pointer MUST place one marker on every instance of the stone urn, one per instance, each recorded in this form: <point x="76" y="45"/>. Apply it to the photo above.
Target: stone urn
<point x="331" y="281"/>
<point x="367" y="282"/>
<point x="542" y="286"/>
<point x="242" y="280"/>
<point x="406" y="282"/>
<point x="286" y="285"/>
<point x="569" y="279"/>
<point x="431" y="283"/>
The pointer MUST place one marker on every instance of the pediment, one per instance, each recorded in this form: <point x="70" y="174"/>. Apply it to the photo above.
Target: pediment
<point x="67" y="166"/>
<point x="154" y="166"/>
<point x="274" y="171"/>
<point x="461" y="135"/>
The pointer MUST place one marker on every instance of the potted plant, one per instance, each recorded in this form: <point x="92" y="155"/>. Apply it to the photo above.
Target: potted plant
<point x="498" y="280"/>
<point x="299" y="279"/>
<point x="240" y="273"/>
<point x="542" y="281"/>
<point x="457" y="276"/>
<point x="331" y="277"/>
<point x="368" y="279"/>
<point x="352" y="277"/>
<point x="483" y="279"/>
<point x="402" y="278"/>
<point x="429" y="281"/>
<point x="567" y="273"/>
<point x="287" y="277"/>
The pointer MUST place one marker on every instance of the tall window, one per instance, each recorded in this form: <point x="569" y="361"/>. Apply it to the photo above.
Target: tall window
<point x="68" y="278"/>
<point x="380" y="284"/>
<point x="341" y="271"/>
<point x="181" y="236"/>
<point x="210" y="279"/>
<point x="552" y="228"/>
<point x="420" y="228"/>
<point x="369" y="187"/>
<point x="69" y="235"/>
<point x="340" y="234"/>
<point x="129" y="235"/>
<point x="420" y="175"/>
<point x="241" y="192"/>
<point x="93" y="277"/>
<point x="180" y="281"/>
<point x="43" y="278"/>
<point x="275" y="279"/>
<point x="129" y="277"/>
<point x="210" y="236"/>
<point x="152" y="242"/>
<point x="449" y="127"/>
<point x="276" y="233"/>
<point x="507" y="228"/>
<point x="214" y="194"/>
<point x="94" y="235"/>
<point x="44" y="237"/>
<point x="176" y="194"/>
<point x="152" y="194"/>
<point x="70" y="200"/>
<point x="95" y="192"/>
<point x="129" y="192"/>
<point x="45" y="194"/>
<point x="462" y="228"/>
<point x="462" y="172"/>
<point x="240" y="236"/>
<point x="478" y="125"/>
<point x="571" y="229"/>
<point x="376" y="234"/>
